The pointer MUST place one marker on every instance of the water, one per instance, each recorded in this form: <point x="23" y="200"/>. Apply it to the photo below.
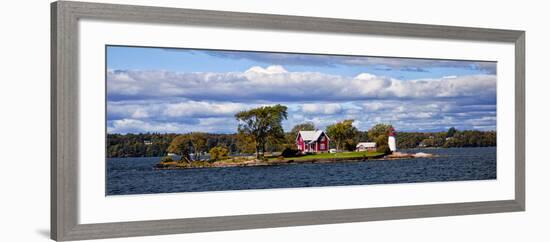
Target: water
<point x="136" y="175"/>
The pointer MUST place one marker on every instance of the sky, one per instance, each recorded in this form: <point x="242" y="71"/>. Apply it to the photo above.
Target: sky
<point x="190" y="90"/>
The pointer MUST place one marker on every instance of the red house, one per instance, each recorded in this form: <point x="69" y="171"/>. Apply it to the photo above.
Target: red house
<point x="312" y="141"/>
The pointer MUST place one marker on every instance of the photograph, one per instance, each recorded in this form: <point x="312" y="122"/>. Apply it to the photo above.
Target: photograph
<point x="200" y="120"/>
<point x="323" y="121"/>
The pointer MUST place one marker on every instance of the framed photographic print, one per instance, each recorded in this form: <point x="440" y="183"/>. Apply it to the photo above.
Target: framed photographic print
<point x="243" y="120"/>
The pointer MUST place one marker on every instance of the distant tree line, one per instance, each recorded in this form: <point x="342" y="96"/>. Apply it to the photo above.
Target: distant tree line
<point x="450" y="138"/>
<point x="157" y="144"/>
<point x="138" y="145"/>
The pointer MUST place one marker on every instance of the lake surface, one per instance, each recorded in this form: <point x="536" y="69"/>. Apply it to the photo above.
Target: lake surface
<point x="136" y="175"/>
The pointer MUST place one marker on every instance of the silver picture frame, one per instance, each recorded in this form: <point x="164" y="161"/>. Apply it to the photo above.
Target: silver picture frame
<point x="65" y="16"/>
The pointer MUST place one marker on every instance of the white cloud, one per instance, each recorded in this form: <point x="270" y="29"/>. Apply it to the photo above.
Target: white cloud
<point x="140" y="113"/>
<point x="321" y="108"/>
<point x="274" y="83"/>
<point x="212" y="125"/>
<point x="266" y="71"/>
<point x="449" y="77"/>
<point x="170" y="109"/>
<point x="134" y="125"/>
<point x="194" y="109"/>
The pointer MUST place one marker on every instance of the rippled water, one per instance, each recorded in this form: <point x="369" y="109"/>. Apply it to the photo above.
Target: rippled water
<point x="136" y="175"/>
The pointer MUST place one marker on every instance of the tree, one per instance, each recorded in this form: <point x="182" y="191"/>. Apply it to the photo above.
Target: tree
<point x="199" y="143"/>
<point x="218" y="153"/>
<point x="307" y="126"/>
<point x="382" y="144"/>
<point x="451" y="132"/>
<point x="264" y="124"/>
<point x="185" y="144"/>
<point x="350" y="144"/>
<point x="181" y="145"/>
<point x="379" y="133"/>
<point x="341" y="132"/>
<point x="245" y="143"/>
<point x="407" y="140"/>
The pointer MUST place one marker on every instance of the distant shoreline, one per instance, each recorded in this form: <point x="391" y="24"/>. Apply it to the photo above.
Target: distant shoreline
<point x="154" y="145"/>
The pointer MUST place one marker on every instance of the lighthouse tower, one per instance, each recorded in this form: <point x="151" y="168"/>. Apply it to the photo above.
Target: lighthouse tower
<point x="391" y="140"/>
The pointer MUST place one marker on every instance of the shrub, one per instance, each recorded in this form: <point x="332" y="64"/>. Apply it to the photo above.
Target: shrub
<point x="383" y="149"/>
<point x="218" y="153"/>
<point x="289" y="152"/>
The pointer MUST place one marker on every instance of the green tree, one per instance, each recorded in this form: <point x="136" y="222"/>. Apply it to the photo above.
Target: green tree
<point x="350" y="144"/>
<point x="451" y="132"/>
<point x="409" y="140"/>
<point x="307" y="126"/>
<point x="438" y="140"/>
<point x="264" y="124"/>
<point x="379" y="133"/>
<point x="341" y="132"/>
<point x="382" y="144"/>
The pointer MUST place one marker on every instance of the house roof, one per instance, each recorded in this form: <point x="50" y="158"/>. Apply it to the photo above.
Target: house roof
<point x="311" y="135"/>
<point x="366" y="144"/>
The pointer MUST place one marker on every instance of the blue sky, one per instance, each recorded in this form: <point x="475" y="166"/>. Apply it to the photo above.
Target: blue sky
<point x="185" y="90"/>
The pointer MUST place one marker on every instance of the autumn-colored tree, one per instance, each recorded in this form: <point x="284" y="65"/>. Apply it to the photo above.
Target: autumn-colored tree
<point x="218" y="153"/>
<point x="185" y="144"/>
<point x="341" y="132"/>
<point x="198" y="140"/>
<point x="181" y="145"/>
<point x="245" y="143"/>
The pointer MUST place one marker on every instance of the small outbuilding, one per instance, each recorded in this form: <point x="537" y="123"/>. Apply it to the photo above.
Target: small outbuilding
<point x="366" y="146"/>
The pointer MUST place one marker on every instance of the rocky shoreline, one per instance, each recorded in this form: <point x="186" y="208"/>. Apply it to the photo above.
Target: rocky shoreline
<point x="400" y="155"/>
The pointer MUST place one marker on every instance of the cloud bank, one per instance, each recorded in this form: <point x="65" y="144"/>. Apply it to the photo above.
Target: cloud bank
<point x="274" y="83"/>
<point x="166" y="101"/>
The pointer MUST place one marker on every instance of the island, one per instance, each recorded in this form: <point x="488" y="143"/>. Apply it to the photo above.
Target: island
<point x="272" y="160"/>
<point x="261" y="127"/>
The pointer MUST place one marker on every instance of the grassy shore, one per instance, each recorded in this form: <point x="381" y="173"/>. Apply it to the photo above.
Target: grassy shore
<point x="274" y="160"/>
<point x="330" y="156"/>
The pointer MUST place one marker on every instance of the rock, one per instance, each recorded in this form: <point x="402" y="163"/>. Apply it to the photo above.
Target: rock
<point x="400" y="155"/>
<point x="395" y="155"/>
<point x="422" y="155"/>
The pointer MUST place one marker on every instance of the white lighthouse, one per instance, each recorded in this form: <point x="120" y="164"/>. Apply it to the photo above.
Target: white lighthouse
<point x="391" y="140"/>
